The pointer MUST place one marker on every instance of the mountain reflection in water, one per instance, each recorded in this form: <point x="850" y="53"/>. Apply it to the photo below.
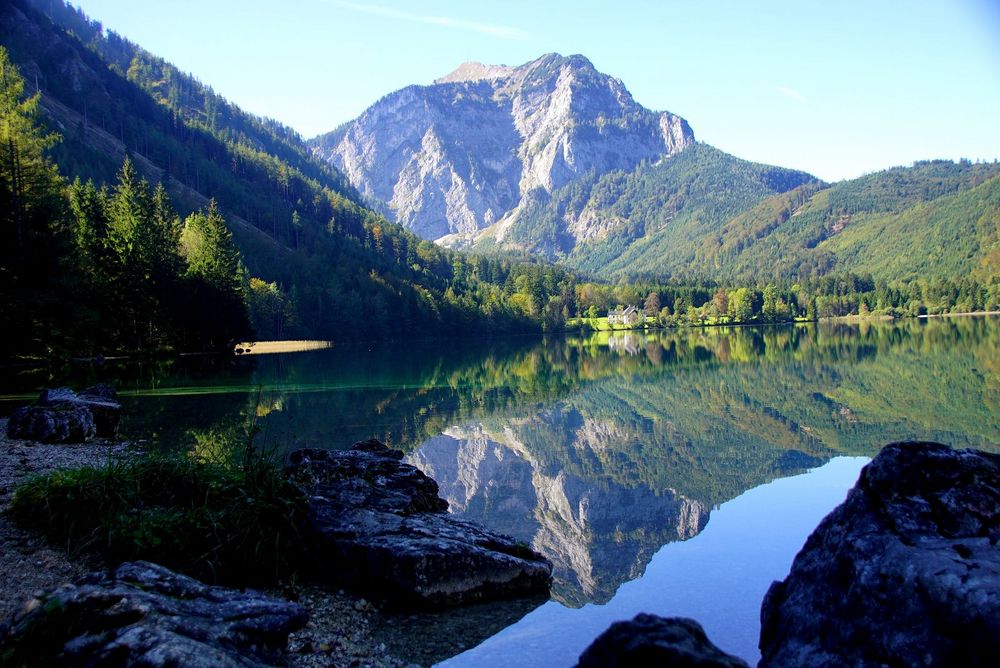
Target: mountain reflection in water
<point x="596" y="449"/>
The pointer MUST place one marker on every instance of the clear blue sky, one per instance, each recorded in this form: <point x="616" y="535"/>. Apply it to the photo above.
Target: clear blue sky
<point x="835" y="87"/>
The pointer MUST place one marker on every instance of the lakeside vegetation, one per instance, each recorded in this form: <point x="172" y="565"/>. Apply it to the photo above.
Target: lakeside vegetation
<point x="678" y="305"/>
<point x="229" y="520"/>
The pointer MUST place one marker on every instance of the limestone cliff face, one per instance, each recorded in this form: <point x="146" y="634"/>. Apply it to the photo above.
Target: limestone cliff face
<point x="462" y="154"/>
<point x="598" y="534"/>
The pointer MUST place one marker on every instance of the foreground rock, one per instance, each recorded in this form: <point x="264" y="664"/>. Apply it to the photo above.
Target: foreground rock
<point x="905" y="572"/>
<point x="649" y="640"/>
<point x="377" y="525"/>
<point x="146" y="615"/>
<point x="63" y="416"/>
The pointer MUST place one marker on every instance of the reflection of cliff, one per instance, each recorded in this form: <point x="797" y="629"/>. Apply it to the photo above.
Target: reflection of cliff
<point x="597" y="533"/>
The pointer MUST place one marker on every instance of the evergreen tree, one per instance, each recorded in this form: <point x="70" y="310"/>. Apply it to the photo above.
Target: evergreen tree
<point x="35" y="268"/>
<point x="89" y="207"/>
<point x="211" y="253"/>
<point x="216" y="278"/>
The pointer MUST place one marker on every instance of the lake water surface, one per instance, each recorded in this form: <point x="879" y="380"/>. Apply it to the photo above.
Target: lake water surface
<point x="676" y="473"/>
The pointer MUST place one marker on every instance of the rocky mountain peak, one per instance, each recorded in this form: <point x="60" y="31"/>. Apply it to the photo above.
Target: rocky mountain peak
<point x="475" y="71"/>
<point x="466" y="152"/>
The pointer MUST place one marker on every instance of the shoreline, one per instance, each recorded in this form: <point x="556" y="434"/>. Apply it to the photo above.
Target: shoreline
<point x="30" y="563"/>
<point x="576" y="328"/>
<point x="342" y="630"/>
<point x="963" y="314"/>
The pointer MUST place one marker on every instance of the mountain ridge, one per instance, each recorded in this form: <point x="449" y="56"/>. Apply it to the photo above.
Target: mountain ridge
<point x="576" y="179"/>
<point x="454" y="157"/>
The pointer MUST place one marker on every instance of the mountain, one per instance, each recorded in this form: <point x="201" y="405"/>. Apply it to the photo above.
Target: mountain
<point x="557" y="159"/>
<point x="551" y="157"/>
<point x="335" y="268"/>
<point x="467" y="152"/>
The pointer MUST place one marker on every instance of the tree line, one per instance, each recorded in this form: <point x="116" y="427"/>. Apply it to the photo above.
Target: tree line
<point x="679" y="304"/>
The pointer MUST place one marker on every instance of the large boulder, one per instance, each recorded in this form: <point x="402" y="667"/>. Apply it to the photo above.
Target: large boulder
<point x="100" y="399"/>
<point x="145" y="615"/>
<point x="906" y="572"/>
<point x="653" y="641"/>
<point x="378" y="526"/>
<point x="62" y="416"/>
<point x="61" y="423"/>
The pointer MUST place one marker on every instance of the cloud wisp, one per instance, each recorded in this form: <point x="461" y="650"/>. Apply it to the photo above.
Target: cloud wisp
<point x="791" y="93"/>
<point x="501" y="31"/>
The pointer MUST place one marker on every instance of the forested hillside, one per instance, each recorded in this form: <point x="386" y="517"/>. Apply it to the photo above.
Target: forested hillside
<point x="322" y="264"/>
<point x="628" y="222"/>
<point x="934" y="220"/>
<point x="703" y="215"/>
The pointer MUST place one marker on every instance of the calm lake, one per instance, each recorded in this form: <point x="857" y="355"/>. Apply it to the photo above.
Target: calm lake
<point x="676" y="473"/>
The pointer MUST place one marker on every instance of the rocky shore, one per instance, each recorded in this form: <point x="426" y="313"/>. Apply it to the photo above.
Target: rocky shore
<point x="341" y="628"/>
<point x="28" y="562"/>
<point x="906" y="571"/>
<point x="375" y="529"/>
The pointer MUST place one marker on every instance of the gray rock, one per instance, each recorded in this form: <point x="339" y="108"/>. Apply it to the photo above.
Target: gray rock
<point x="101" y="400"/>
<point x="145" y="615"/>
<point x="905" y="572"/>
<point x="483" y="142"/>
<point x="59" y="423"/>
<point x="377" y="525"/>
<point x="649" y="640"/>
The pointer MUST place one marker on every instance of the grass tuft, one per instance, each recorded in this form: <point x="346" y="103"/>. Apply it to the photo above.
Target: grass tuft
<point x="225" y="522"/>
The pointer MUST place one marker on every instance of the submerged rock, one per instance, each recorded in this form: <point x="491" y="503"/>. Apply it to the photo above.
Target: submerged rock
<point x="905" y="572"/>
<point x="650" y="640"/>
<point x="377" y="525"/>
<point x="146" y="615"/>
<point x="63" y="416"/>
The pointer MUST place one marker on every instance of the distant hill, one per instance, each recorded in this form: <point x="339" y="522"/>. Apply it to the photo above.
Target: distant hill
<point x="345" y="269"/>
<point x="936" y="219"/>
<point x="649" y="220"/>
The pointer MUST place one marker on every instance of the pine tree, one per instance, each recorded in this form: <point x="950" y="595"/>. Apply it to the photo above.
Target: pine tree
<point x="216" y="277"/>
<point x="35" y="268"/>
<point x="89" y="207"/>
<point x="211" y="253"/>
